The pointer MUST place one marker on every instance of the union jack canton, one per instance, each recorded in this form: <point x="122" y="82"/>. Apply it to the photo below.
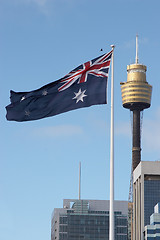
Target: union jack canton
<point x="98" y="67"/>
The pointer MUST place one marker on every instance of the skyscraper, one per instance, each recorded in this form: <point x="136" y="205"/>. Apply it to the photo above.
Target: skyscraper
<point x="88" y="219"/>
<point x="146" y="188"/>
<point x="152" y="231"/>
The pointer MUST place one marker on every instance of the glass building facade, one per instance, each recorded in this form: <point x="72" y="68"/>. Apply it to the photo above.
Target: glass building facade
<point x="82" y="222"/>
<point x="152" y="231"/>
<point x="151" y="196"/>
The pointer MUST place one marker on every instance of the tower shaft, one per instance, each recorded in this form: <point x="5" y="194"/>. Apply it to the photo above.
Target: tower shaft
<point x="136" y="139"/>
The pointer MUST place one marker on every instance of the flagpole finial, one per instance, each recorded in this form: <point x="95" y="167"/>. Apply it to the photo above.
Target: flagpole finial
<point x="112" y="46"/>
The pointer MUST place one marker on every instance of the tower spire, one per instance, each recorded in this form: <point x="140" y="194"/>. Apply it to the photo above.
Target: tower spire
<point x="137" y="49"/>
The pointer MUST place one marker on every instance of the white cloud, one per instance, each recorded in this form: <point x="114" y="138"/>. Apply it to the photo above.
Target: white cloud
<point x="132" y="42"/>
<point x="58" y="131"/>
<point x="37" y="2"/>
<point x="42" y="5"/>
<point x="46" y="7"/>
<point x="151" y="132"/>
<point x="123" y="128"/>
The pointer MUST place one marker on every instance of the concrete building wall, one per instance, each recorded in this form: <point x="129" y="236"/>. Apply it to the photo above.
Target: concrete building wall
<point x="144" y="175"/>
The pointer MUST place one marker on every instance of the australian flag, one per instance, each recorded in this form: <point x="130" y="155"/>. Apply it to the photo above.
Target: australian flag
<point x="82" y="87"/>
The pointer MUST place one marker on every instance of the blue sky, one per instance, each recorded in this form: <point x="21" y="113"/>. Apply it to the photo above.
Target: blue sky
<point x="41" y="41"/>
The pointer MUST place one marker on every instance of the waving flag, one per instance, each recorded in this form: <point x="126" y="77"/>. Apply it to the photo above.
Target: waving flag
<point x="82" y="87"/>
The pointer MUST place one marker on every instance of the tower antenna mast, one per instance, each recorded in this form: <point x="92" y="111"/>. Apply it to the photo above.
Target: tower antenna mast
<point x="137" y="49"/>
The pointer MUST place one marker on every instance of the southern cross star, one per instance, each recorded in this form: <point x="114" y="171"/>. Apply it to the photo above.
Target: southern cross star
<point x="27" y="113"/>
<point x="44" y="93"/>
<point x="79" y="96"/>
<point x="23" y="98"/>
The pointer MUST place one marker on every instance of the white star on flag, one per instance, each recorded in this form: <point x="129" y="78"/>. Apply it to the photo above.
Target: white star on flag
<point x="44" y="93"/>
<point x="23" y="98"/>
<point x="79" y="96"/>
<point x="27" y="113"/>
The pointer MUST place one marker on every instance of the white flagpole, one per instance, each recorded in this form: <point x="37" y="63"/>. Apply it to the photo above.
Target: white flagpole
<point x="111" y="215"/>
<point x="79" y="180"/>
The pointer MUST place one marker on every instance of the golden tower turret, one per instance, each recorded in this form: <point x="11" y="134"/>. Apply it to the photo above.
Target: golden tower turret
<point x="136" y="96"/>
<point x="136" y="92"/>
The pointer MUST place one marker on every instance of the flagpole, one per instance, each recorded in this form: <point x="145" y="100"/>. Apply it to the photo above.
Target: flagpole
<point x="79" y="180"/>
<point x="111" y="215"/>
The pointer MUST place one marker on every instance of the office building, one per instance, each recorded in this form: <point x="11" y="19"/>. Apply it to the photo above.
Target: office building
<point x="146" y="189"/>
<point x="88" y="219"/>
<point x="152" y="231"/>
